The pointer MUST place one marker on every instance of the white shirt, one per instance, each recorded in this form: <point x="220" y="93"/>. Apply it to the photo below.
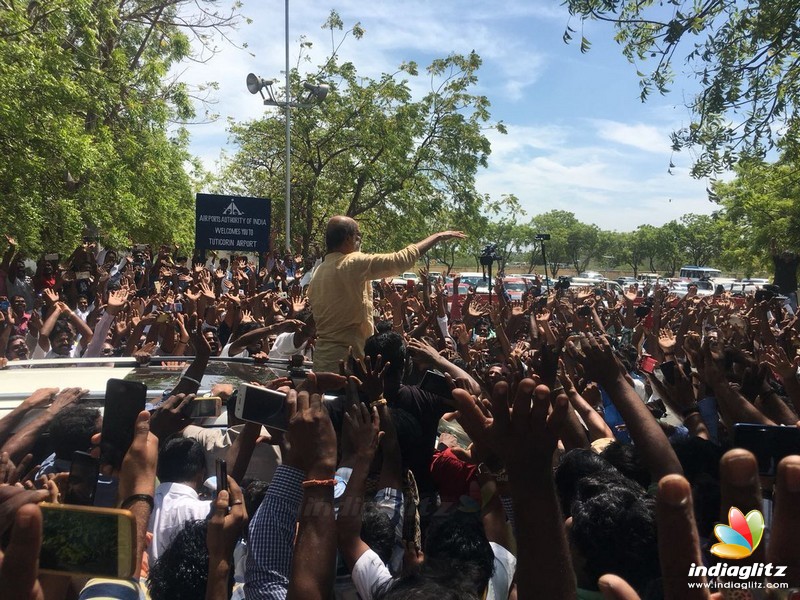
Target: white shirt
<point x="370" y="574"/>
<point x="226" y="352"/>
<point x="283" y="348"/>
<point x="505" y="564"/>
<point x="175" y="503"/>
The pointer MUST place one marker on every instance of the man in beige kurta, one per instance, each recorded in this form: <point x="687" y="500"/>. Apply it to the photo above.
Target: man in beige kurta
<point x="340" y="291"/>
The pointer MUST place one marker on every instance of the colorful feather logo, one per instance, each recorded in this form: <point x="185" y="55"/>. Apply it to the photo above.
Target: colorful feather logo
<point x="741" y="536"/>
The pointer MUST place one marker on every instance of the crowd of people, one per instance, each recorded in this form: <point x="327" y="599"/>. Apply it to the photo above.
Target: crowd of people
<point x="574" y="444"/>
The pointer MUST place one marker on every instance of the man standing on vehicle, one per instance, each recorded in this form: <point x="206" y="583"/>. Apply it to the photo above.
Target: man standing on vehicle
<point x="340" y="291"/>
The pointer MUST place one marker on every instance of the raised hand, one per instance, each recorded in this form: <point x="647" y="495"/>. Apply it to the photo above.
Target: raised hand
<point x="369" y="377"/>
<point x="362" y="429"/>
<point x="666" y="341"/>
<point x="310" y="438"/>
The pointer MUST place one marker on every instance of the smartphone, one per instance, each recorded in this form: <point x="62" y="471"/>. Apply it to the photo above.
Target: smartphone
<point x="222" y="475"/>
<point x="86" y="540"/>
<point x="260" y="405"/>
<point x="203" y="407"/>
<point x="177" y="307"/>
<point x="82" y="481"/>
<point x="648" y="363"/>
<point x="124" y="401"/>
<point x="51" y="257"/>
<point x="296" y="371"/>
<point x="82" y="275"/>
<point x="4" y="304"/>
<point x="163" y="317"/>
<point x="435" y="383"/>
<point x="769" y="443"/>
<point x="668" y="371"/>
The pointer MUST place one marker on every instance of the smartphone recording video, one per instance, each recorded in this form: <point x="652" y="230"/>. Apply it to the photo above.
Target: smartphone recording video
<point x="260" y="405"/>
<point x="203" y="408"/>
<point x="88" y="541"/>
<point x="124" y="401"/>
<point x="435" y="383"/>
<point x="769" y="443"/>
<point x="82" y="480"/>
<point x="222" y="475"/>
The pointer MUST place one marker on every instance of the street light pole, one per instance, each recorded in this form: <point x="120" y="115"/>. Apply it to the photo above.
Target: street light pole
<point x="288" y="205"/>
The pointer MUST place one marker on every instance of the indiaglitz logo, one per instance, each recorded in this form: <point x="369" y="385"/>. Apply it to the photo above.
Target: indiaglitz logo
<point x="741" y="536"/>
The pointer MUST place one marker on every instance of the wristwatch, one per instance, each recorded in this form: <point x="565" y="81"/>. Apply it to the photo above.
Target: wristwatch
<point x="483" y="469"/>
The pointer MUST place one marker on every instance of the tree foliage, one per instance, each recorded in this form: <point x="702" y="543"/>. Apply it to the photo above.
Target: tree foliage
<point x="371" y="151"/>
<point x="760" y="221"/>
<point x="744" y="56"/>
<point x="86" y="111"/>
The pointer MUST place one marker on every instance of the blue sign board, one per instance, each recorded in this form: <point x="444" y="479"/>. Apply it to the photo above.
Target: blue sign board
<point x="235" y="223"/>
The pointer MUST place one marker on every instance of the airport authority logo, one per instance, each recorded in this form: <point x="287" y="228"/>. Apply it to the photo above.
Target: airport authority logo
<point x="741" y="536"/>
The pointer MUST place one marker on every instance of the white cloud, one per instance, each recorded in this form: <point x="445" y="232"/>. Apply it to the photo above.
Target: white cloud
<point x="639" y="135"/>
<point x="606" y="163"/>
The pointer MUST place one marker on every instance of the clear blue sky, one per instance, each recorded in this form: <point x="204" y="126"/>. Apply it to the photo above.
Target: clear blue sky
<point x="579" y="138"/>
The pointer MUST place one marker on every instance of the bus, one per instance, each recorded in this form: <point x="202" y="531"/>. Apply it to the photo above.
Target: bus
<point x="695" y="273"/>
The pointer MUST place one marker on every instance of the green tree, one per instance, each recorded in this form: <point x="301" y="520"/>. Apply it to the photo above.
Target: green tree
<point x="561" y="225"/>
<point x="700" y="238"/>
<point x="743" y="56"/>
<point x="628" y="251"/>
<point x="85" y="115"/>
<point x="761" y="218"/>
<point x="669" y="239"/>
<point x="583" y="245"/>
<point x="371" y="151"/>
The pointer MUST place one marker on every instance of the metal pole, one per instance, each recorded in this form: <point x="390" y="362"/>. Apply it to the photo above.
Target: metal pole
<point x="288" y="142"/>
<point x="544" y="259"/>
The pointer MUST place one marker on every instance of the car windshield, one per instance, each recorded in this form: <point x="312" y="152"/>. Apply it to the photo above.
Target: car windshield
<point x="515" y="286"/>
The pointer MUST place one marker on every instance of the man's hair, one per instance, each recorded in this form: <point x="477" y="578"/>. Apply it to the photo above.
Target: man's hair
<point x="614" y="529"/>
<point x="458" y="554"/>
<point x="305" y="315"/>
<point x="181" y="572"/>
<point x="338" y="231"/>
<point x="181" y="459"/>
<point x="253" y="491"/>
<point x="243" y="328"/>
<point x="60" y="327"/>
<point x="627" y="460"/>
<point x="420" y="586"/>
<point x="384" y="326"/>
<point x="574" y="466"/>
<point x="377" y="531"/>
<point x="73" y="430"/>
<point x="391" y="347"/>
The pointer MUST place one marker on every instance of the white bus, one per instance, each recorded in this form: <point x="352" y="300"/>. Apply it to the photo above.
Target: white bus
<point x="692" y="272"/>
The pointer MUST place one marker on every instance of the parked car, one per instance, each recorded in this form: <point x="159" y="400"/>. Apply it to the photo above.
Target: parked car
<point x="515" y="286"/>
<point x="18" y="381"/>
<point x="594" y="275"/>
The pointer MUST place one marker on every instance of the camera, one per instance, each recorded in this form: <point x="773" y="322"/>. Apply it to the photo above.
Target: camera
<point x="489" y="255"/>
<point x="562" y="283"/>
<point x="543" y="237"/>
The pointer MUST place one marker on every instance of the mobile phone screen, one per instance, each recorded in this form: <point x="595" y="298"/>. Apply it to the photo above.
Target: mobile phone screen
<point x="201" y="408"/>
<point x="222" y="475"/>
<point x="668" y="371"/>
<point x="260" y="405"/>
<point x="87" y="540"/>
<point x="124" y="401"/>
<point x="435" y="383"/>
<point x="769" y="443"/>
<point x="82" y="481"/>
